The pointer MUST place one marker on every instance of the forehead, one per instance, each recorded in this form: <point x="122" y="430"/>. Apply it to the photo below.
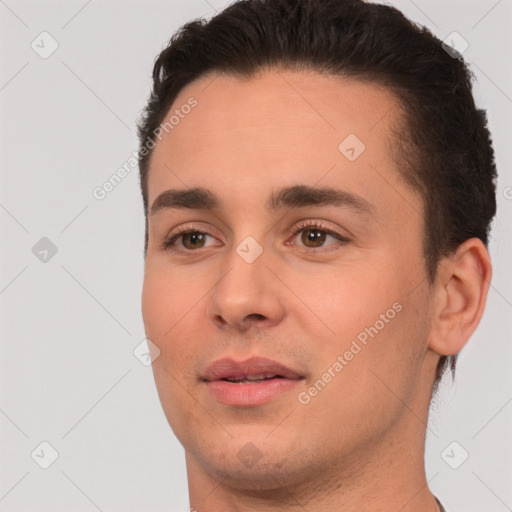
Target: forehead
<point x="278" y="128"/>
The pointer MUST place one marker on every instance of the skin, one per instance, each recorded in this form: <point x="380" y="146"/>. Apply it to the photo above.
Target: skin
<point x="359" y="443"/>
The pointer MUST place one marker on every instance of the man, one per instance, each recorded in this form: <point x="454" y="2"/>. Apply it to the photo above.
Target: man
<point x="318" y="186"/>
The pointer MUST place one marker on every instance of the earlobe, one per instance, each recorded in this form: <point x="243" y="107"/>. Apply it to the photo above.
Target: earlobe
<point x="460" y="293"/>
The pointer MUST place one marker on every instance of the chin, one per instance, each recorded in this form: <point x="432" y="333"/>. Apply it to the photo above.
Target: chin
<point x="242" y="466"/>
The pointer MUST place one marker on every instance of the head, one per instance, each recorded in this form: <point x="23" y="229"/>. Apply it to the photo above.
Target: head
<point x="271" y="99"/>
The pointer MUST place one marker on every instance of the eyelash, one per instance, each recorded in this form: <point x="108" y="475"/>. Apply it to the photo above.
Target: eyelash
<point x="169" y="243"/>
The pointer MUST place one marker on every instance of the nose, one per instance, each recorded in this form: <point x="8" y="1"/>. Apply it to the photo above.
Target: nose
<point x="246" y="295"/>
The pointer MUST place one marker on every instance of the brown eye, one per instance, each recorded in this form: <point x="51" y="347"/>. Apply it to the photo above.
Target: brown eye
<point x="318" y="237"/>
<point x="313" y="237"/>
<point x="187" y="240"/>
<point x="193" y="240"/>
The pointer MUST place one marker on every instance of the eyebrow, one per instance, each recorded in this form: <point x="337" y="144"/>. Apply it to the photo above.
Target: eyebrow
<point x="296" y="196"/>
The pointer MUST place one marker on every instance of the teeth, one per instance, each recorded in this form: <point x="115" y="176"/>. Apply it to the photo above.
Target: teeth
<point x="261" y="376"/>
<point x="246" y="381"/>
<point x="252" y="378"/>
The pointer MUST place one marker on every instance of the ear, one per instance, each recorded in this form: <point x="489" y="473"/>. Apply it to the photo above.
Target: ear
<point x="460" y="293"/>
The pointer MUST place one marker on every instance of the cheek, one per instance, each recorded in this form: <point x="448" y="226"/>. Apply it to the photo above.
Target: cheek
<point x="375" y="322"/>
<point x="170" y="312"/>
<point x="393" y="340"/>
<point x="379" y="375"/>
<point x="173" y="313"/>
<point x="162" y="308"/>
<point x="350" y="298"/>
<point x="154" y="293"/>
<point x="165" y="299"/>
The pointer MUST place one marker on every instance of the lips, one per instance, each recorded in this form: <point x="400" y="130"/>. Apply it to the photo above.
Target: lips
<point x="249" y="383"/>
<point x="251" y="370"/>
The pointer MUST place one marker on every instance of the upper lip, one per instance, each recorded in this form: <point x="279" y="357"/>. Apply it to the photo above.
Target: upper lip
<point x="229" y="368"/>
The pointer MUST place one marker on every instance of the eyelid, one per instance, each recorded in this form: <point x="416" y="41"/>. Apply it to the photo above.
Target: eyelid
<point x="169" y="241"/>
<point x="320" y="226"/>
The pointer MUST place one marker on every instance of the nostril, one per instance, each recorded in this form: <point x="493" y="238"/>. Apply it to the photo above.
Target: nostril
<point x="256" y="316"/>
<point x="220" y="320"/>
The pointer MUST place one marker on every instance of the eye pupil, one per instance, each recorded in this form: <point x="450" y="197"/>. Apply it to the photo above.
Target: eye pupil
<point x="194" y="238"/>
<point x="315" y="236"/>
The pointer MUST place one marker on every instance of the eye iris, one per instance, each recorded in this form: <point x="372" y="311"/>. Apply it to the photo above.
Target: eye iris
<point x="314" y="236"/>
<point x="197" y="240"/>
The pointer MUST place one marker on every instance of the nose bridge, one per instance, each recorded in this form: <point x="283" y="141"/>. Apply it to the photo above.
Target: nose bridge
<point x="245" y="292"/>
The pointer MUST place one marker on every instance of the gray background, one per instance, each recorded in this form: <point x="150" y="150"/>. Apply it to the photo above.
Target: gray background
<point x="69" y="325"/>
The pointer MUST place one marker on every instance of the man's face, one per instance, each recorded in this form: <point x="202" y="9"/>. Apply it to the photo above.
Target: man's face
<point x="351" y="318"/>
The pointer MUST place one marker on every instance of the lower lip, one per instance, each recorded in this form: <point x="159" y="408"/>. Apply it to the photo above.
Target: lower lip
<point x="230" y="393"/>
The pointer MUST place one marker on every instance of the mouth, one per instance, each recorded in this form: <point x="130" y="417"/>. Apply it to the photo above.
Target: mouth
<point x="252" y="379"/>
<point x="255" y="368"/>
<point x="249" y="383"/>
